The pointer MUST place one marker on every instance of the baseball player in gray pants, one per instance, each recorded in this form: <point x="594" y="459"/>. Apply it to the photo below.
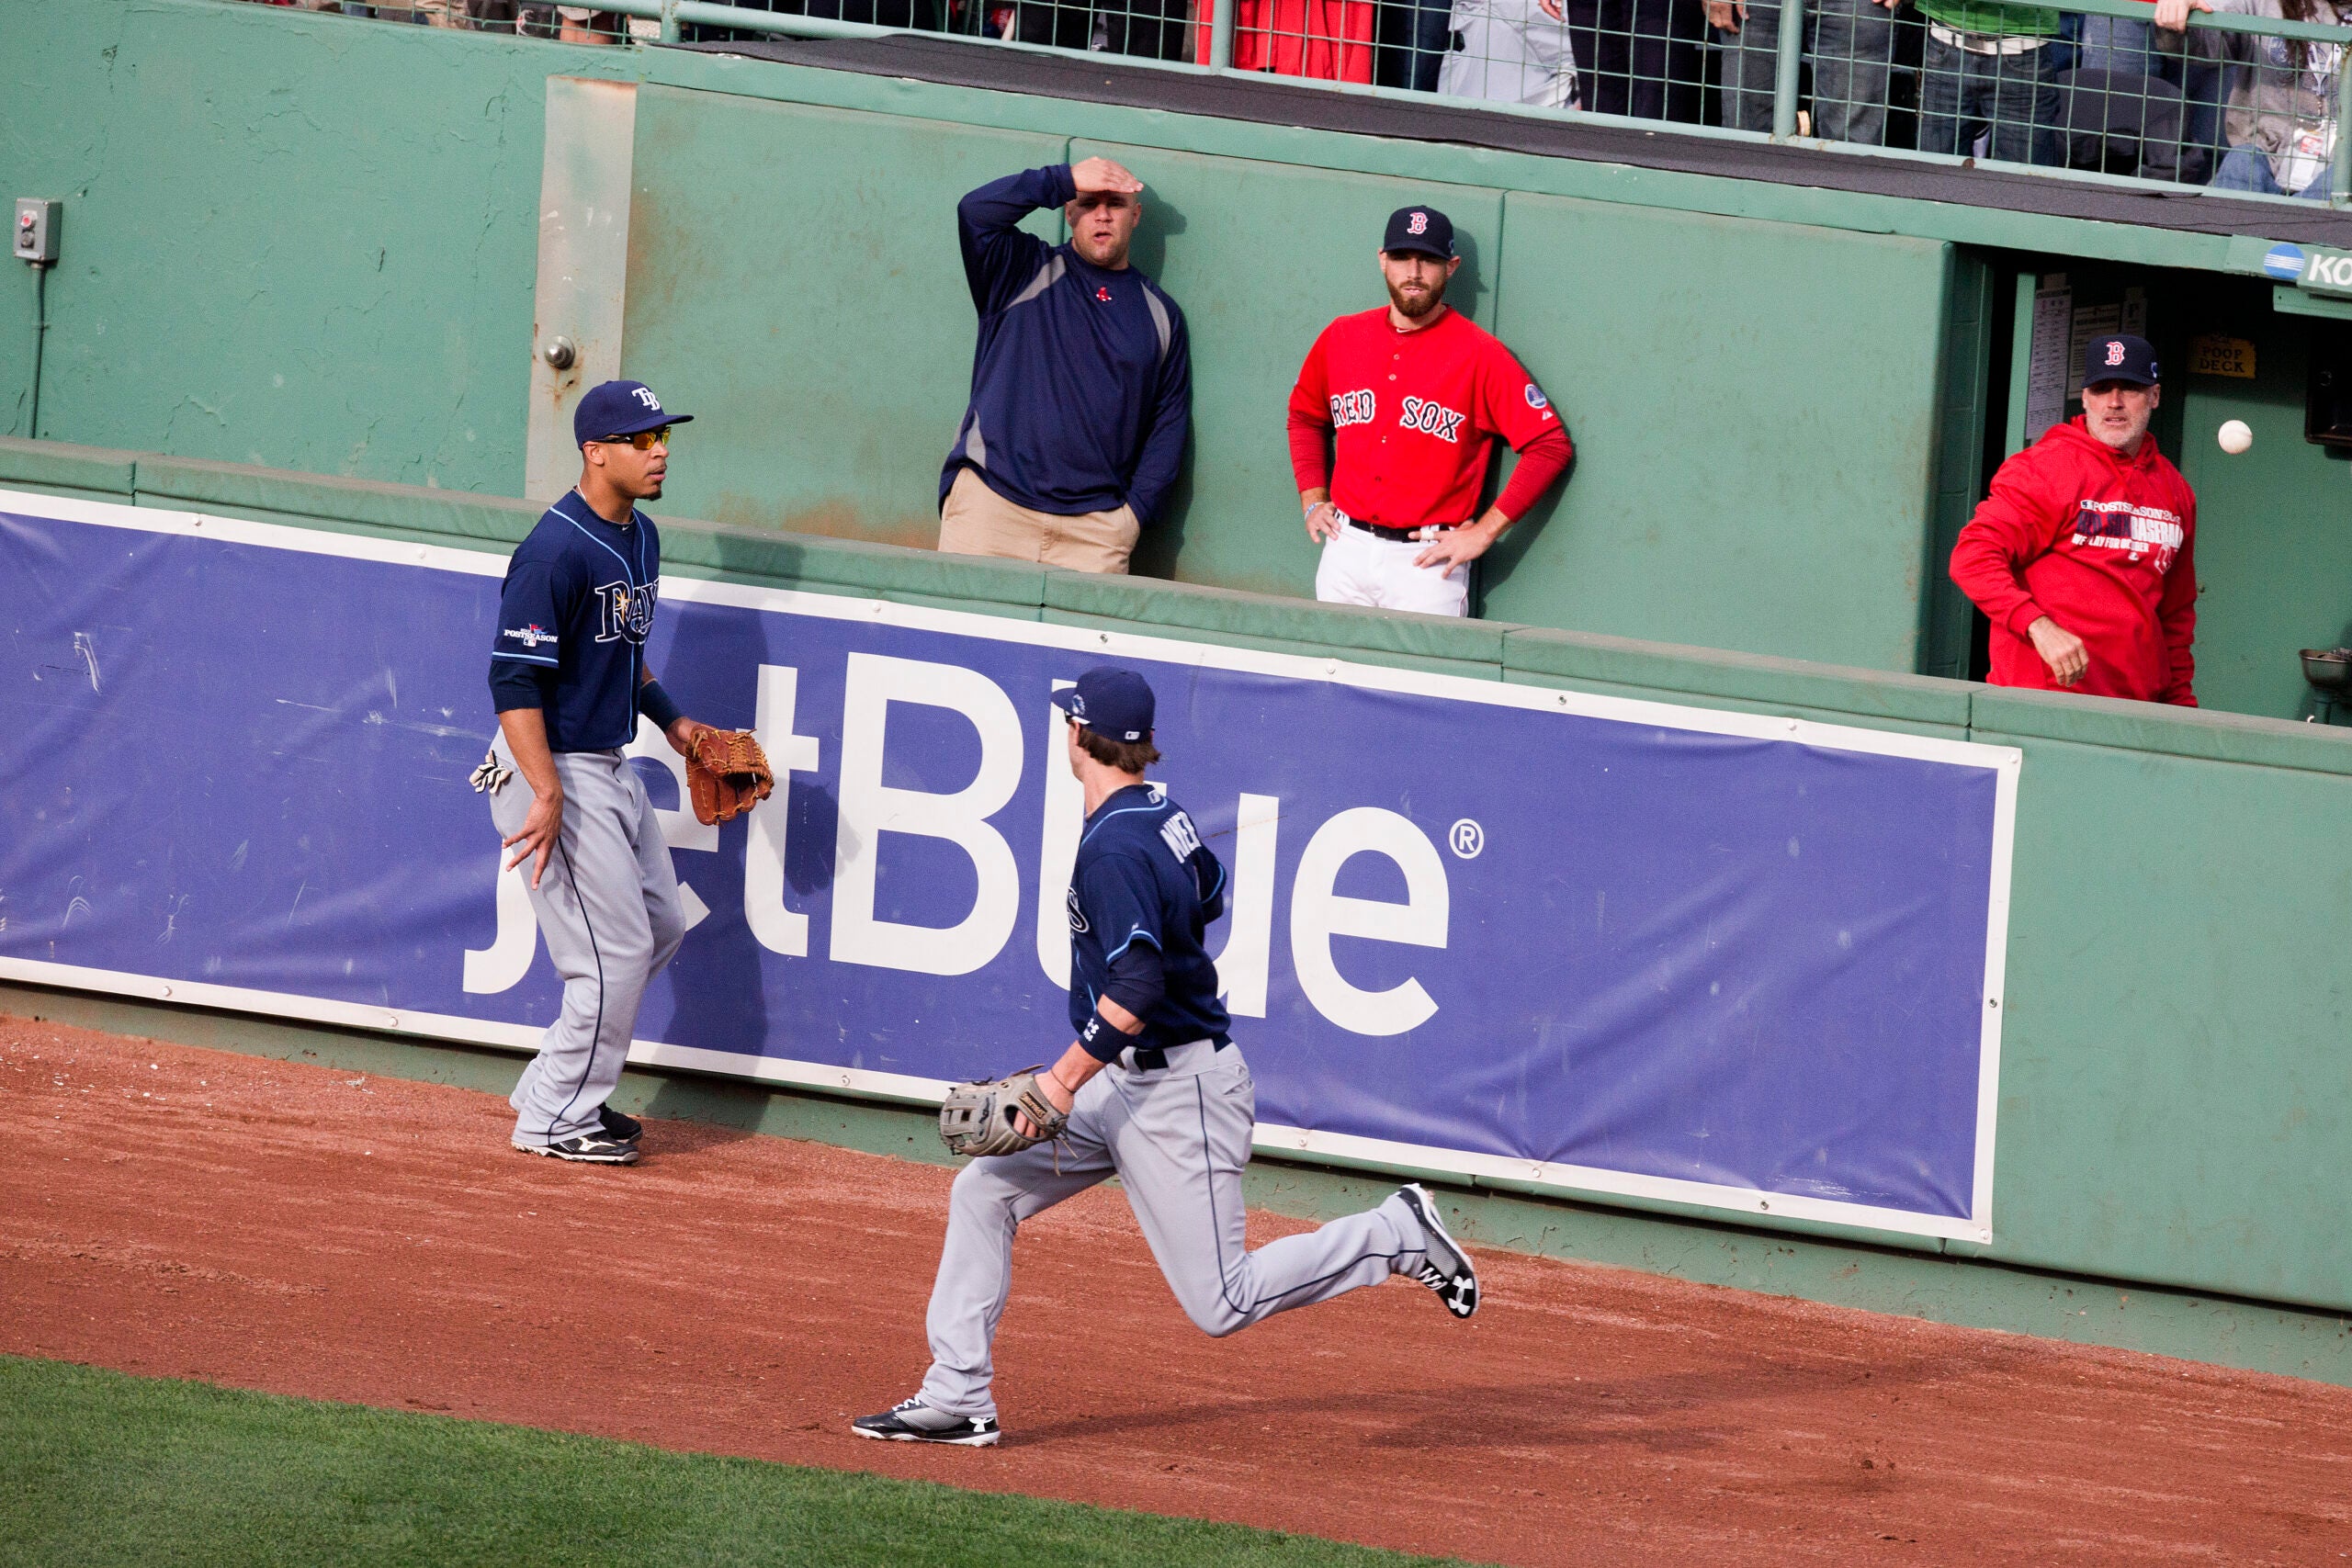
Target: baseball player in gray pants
<point x="1155" y="1092"/>
<point x="568" y="676"/>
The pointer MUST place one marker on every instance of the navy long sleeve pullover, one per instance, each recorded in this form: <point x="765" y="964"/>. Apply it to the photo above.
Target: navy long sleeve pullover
<point x="1082" y="380"/>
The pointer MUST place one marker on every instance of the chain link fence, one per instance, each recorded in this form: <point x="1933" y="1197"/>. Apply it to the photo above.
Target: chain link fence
<point x="2243" y="96"/>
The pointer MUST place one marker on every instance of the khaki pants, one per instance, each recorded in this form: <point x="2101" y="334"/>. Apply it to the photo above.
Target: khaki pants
<point x="978" y="522"/>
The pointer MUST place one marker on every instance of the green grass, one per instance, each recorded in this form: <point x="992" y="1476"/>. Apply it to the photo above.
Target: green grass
<point x="100" y="1467"/>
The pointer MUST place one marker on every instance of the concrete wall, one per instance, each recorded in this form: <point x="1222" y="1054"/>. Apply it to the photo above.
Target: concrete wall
<point x="2175" y="1117"/>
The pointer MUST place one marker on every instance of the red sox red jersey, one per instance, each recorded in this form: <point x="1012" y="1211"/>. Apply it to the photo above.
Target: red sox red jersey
<point x="1413" y="414"/>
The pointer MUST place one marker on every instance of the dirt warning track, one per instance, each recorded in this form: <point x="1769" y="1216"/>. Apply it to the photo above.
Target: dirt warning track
<point x="194" y="1213"/>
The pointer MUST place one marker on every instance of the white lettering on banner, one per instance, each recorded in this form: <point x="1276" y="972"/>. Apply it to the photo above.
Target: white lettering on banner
<point x="1058" y="854"/>
<point x="1318" y="914"/>
<point x="1249" y="907"/>
<point x="502" y="966"/>
<point x="2329" y="270"/>
<point x="870" y="808"/>
<point x="681" y="830"/>
<point x="775" y="928"/>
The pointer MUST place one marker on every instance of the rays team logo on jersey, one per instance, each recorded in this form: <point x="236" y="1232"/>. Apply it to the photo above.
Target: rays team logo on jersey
<point x="1427" y="414"/>
<point x="1077" y="915"/>
<point x="1418" y="225"/>
<point x="1353" y="408"/>
<point x="623" y="612"/>
<point x="1535" y="398"/>
<point x="530" y="636"/>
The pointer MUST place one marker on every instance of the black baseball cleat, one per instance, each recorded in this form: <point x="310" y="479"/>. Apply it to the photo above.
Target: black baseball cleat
<point x="589" y="1148"/>
<point x="619" y="1124"/>
<point x="1445" y="1268"/>
<point x="915" y="1422"/>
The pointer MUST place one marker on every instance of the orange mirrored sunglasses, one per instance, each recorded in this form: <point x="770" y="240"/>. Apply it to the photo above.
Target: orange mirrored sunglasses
<point x="644" y="440"/>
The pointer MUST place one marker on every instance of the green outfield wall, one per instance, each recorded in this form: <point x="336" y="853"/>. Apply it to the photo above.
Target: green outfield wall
<point x="2175" y="1090"/>
<point x="309" y="242"/>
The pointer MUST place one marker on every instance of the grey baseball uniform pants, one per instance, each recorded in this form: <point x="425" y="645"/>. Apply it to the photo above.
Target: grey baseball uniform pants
<point x="608" y="911"/>
<point x="1176" y="1138"/>
<point x="1511" y="52"/>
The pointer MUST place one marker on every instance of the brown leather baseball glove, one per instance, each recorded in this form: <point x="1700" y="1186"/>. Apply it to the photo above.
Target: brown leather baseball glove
<point x="977" y="1117"/>
<point x="727" y="773"/>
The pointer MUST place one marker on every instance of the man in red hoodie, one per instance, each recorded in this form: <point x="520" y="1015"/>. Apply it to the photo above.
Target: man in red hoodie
<point x="2082" y="554"/>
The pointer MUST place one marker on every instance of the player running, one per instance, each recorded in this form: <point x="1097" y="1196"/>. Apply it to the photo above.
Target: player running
<point x="1154" y="1091"/>
<point x="1409" y="396"/>
<point x="568" y="677"/>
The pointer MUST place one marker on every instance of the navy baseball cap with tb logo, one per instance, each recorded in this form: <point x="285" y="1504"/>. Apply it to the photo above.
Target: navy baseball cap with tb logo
<point x="2119" y="357"/>
<point x="1116" y="703"/>
<point x="1422" y="228"/>
<point x="620" y="408"/>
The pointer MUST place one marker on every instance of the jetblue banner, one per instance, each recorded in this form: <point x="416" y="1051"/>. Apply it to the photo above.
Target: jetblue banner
<point x="1589" y="944"/>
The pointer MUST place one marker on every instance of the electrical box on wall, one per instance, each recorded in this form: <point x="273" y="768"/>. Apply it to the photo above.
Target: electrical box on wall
<point x="35" y="231"/>
<point x="2327" y="400"/>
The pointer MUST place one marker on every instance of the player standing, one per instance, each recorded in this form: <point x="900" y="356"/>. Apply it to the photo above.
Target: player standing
<point x="2084" y="553"/>
<point x="568" y="677"/>
<point x="1155" y="1092"/>
<point x="1403" y="401"/>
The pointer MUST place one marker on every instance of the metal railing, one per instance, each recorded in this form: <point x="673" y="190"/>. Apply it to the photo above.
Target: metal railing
<point x="2092" y="88"/>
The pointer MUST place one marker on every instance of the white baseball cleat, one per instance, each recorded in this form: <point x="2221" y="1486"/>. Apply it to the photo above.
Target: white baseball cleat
<point x="912" y="1421"/>
<point x="1445" y="1268"/>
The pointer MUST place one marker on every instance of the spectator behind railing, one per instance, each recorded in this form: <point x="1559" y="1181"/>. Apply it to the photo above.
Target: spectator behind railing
<point x="2281" y="115"/>
<point x="1989" y="73"/>
<point x="1513" y="52"/>
<point x="1329" y="39"/>
<point x="2141" y="99"/>
<point x="1851" y="44"/>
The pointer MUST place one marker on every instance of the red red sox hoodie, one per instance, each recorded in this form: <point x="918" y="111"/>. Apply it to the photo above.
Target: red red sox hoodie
<point x="2103" y="545"/>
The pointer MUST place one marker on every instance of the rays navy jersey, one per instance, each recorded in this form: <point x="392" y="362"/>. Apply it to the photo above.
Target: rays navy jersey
<point x="578" y="602"/>
<point x="1143" y="876"/>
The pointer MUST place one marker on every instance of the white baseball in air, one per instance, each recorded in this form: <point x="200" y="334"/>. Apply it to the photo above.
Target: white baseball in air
<point x="2234" y="436"/>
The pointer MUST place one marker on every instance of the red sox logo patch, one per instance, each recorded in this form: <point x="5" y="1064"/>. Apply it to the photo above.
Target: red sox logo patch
<point x="1427" y="414"/>
<point x="1418" y="225"/>
<point x="1351" y="408"/>
<point x="2115" y="353"/>
<point x="1103" y="294"/>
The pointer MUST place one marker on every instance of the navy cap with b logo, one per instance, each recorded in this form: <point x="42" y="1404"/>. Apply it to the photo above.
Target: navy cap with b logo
<point x="2119" y="357"/>
<point x="620" y="408"/>
<point x="1113" y="703"/>
<point x="1422" y="228"/>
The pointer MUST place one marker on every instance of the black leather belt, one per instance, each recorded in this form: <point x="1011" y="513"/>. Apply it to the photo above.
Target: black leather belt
<point x="1154" y="1058"/>
<point x="1404" y="535"/>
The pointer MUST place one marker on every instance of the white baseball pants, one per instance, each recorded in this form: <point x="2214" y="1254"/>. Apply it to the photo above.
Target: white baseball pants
<point x="1176" y="1138"/>
<point x="608" y="910"/>
<point x="1358" y="567"/>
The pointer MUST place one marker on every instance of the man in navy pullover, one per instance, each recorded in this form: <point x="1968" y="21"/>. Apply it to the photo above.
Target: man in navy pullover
<point x="1081" y="383"/>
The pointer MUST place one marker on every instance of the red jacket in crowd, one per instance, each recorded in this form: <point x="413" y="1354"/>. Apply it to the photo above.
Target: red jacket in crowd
<point x="2100" y="543"/>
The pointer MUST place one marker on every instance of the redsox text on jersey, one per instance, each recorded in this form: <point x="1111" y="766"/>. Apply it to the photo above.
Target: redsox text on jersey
<point x="1391" y="425"/>
<point x="1156" y="1093"/>
<point x="568" y="678"/>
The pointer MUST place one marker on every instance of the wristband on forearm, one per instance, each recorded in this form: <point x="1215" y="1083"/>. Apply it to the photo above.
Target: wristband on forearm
<point x="1104" y="1040"/>
<point x="658" y="706"/>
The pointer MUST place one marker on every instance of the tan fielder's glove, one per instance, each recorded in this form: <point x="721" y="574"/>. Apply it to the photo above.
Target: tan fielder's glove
<point x="727" y="774"/>
<point x="977" y="1117"/>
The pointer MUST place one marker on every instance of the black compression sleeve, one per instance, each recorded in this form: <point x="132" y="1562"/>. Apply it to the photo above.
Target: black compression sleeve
<point x="1138" y="982"/>
<point x="515" y="684"/>
<point x="658" y="705"/>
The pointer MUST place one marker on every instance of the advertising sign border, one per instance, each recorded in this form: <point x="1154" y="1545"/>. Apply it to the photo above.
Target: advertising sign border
<point x="1564" y="1180"/>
